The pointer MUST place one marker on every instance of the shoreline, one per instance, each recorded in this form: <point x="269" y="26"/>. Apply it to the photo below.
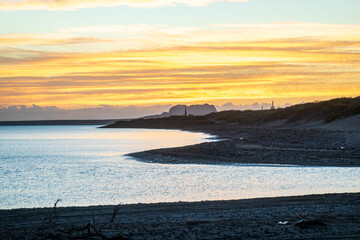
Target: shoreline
<point x="265" y="146"/>
<point x="311" y="143"/>
<point x="232" y="219"/>
<point x="147" y="157"/>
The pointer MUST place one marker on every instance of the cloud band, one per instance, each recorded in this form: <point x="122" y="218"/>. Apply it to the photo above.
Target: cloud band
<point x="9" y="5"/>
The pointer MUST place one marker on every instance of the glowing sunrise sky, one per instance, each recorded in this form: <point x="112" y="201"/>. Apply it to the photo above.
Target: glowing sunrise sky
<point x="76" y="53"/>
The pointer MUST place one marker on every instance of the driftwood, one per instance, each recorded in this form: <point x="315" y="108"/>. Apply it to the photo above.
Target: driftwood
<point x="303" y="223"/>
<point x="51" y="230"/>
<point x="306" y="221"/>
<point x="52" y="214"/>
<point x="115" y="212"/>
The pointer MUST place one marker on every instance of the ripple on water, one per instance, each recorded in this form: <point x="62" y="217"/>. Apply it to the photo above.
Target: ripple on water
<point x="85" y="165"/>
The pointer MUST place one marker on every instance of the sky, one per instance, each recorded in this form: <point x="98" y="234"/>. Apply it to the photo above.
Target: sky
<point x="72" y="56"/>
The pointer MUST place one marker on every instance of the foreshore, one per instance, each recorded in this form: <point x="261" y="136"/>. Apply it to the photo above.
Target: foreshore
<point x="311" y="144"/>
<point x="306" y="147"/>
<point x="331" y="216"/>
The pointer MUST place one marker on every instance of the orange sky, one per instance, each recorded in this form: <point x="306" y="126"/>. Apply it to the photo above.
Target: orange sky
<point x="151" y="64"/>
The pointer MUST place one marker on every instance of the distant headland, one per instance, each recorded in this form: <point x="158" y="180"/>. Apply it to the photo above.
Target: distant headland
<point x="320" y="133"/>
<point x="184" y="110"/>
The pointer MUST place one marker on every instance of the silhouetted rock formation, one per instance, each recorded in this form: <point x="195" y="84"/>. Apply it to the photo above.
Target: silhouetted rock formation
<point x="194" y="110"/>
<point x="183" y="110"/>
<point x="201" y="110"/>
<point x="178" y="110"/>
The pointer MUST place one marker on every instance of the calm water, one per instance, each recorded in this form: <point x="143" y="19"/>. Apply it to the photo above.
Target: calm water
<point x="85" y="165"/>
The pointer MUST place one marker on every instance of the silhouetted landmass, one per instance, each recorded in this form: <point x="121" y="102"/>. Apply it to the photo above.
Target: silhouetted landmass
<point x="57" y="122"/>
<point x="183" y="110"/>
<point x="194" y="110"/>
<point x="326" y="111"/>
<point x="317" y="134"/>
<point x="174" y="122"/>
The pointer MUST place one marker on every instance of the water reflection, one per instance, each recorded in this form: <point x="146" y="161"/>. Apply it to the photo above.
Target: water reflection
<point x="84" y="165"/>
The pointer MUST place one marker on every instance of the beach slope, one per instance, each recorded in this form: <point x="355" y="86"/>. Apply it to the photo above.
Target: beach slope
<point x="333" y="216"/>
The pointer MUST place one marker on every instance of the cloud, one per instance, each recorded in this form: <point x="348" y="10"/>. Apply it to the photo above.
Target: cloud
<point x="131" y="29"/>
<point x="164" y="64"/>
<point x="35" y="112"/>
<point x="209" y="72"/>
<point x="278" y="30"/>
<point x="295" y="36"/>
<point x="9" y="5"/>
<point x="255" y="106"/>
<point x="140" y="28"/>
<point x="221" y="32"/>
<point x="46" y="39"/>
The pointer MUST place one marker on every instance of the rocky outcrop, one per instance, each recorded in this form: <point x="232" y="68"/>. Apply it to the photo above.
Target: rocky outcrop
<point x="194" y="110"/>
<point x="178" y="110"/>
<point x="200" y="110"/>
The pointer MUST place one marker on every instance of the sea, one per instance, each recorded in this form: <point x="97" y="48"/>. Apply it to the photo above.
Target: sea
<point x="88" y="165"/>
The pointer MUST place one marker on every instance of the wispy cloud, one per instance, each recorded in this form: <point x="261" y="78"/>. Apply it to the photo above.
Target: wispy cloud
<point x="278" y="30"/>
<point x="36" y="112"/>
<point x="164" y="64"/>
<point x="144" y="37"/>
<point x="255" y="106"/>
<point x="46" y="39"/>
<point x="8" y="5"/>
<point x="130" y="29"/>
